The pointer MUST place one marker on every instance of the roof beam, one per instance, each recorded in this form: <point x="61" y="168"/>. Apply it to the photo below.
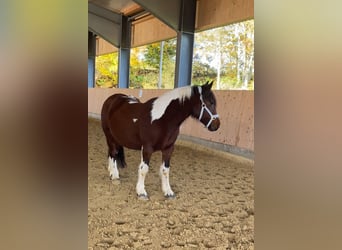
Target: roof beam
<point x="104" y="23"/>
<point x="178" y="14"/>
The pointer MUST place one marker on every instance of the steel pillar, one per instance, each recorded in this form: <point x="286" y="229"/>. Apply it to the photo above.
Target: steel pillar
<point x="91" y="59"/>
<point x="184" y="53"/>
<point x="124" y="53"/>
<point x="180" y="15"/>
<point x="185" y="43"/>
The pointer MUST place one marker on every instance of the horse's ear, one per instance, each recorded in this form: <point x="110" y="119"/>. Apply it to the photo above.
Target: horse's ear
<point x="207" y="86"/>
<point x="211" y="84"/>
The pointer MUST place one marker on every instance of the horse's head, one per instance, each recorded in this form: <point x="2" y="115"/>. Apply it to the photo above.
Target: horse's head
<point x="205" y="107"/>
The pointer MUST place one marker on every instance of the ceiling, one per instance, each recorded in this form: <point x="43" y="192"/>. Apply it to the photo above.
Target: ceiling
<point x="106" y="18"/>
<point x="125" y="7"/>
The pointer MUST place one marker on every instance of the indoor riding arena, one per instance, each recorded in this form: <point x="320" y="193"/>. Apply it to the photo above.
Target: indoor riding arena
<point x="214" y="204"/>
<point x="211" y="173"/>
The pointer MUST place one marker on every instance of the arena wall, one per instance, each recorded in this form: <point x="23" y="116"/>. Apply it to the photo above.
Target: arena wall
<point x="236" y="110"/>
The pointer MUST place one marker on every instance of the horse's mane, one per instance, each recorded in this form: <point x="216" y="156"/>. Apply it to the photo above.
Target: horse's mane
<point x="161" y="103"/>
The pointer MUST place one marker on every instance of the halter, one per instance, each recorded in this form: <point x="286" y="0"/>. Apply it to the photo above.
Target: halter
<point x="204" y="107"/>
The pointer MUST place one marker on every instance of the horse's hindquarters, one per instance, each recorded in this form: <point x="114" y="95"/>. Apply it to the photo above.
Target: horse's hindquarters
<point x="122" y="116"/>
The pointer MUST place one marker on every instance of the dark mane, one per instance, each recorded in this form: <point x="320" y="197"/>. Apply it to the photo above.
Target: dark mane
<point x="161" y="103"/>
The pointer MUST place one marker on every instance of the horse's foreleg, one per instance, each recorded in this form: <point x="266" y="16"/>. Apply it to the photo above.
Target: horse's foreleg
<point x="165" y="172"/>
<point x="142" y="172"/>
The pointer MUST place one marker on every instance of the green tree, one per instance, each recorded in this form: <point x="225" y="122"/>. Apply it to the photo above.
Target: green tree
<point x="152" y="54"/>
<point x="229" y="50"/>
<point x="225" y="53"/>
<point x="106" y="70"/>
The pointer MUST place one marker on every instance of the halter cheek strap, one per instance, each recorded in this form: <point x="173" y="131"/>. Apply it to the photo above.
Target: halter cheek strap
<point x="205" y="108"/>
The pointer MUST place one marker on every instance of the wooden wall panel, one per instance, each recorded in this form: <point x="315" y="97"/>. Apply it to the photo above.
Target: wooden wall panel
<point x="103" y="47"/>
<point x="150" y="30"/>
<point x="216" y="13"/>
<point x="236" y="110"/>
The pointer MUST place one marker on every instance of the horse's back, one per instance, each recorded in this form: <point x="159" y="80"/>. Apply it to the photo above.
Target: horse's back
<point x="112" y="102"/>
<point x="121" y="115"/>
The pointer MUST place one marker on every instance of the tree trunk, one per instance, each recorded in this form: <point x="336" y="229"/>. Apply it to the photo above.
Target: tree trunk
<point x="238" y="71"/>
<point x="248" y="72"/>
<point x="161" y="65"/>
<point x="218" y="80"/>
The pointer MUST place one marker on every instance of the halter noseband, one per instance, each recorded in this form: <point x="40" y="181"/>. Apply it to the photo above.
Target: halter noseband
<point x="204" y="107"/>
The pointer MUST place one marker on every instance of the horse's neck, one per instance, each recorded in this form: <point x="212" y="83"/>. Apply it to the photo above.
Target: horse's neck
<point x="179" y="112"/>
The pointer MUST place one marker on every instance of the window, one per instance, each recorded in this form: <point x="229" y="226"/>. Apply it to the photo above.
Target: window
<point x="225" y="54"/>
<point x="106" y="70"/>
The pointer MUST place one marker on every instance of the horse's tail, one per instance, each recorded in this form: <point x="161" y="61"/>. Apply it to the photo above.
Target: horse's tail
<point x="121" y="158"/>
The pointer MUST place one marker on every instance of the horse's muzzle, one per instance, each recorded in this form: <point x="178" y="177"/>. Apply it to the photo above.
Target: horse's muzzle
<point x="215" y="124"/>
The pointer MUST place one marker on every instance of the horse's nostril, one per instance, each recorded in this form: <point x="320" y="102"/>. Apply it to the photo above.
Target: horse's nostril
<point x="216" y="124"/>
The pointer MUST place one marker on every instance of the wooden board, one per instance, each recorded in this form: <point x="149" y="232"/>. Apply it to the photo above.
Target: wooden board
<point x="216" y="13"/>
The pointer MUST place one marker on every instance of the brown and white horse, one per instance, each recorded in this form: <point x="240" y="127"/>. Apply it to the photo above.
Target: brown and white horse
<point x="153" y="126"/>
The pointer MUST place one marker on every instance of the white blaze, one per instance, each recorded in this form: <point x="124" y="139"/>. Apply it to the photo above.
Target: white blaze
<point x="161" y="103"/>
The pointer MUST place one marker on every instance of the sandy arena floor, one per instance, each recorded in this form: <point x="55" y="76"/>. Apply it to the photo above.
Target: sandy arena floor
<point x="214" y="207"/>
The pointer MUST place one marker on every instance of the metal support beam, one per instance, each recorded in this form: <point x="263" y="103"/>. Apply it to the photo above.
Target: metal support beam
<point x="91" y="59"/>
<point x="185" y="44"/>
<point x="104" y="23"/>
<point x="180" y="15"/>
<point x="166" y="11"/>
<point x="124" y="53"/>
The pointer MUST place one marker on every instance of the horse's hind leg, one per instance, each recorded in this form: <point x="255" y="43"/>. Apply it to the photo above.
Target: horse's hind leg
<point x="112" y="153"/>
<point x="113" y="169"/>
<point x="121" y="157"/>
<point x="113" y="147"/>
<point x="112" y="162"/>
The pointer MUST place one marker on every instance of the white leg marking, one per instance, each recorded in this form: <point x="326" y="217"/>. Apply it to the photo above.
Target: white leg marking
<point x="164" y="175"/>
<point x="143" y="169"/>
<point x="135" y="120"/>
<point x="113" y="169"/>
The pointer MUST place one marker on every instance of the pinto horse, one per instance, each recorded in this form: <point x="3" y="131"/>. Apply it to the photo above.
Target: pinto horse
<point x="153" y="126"/>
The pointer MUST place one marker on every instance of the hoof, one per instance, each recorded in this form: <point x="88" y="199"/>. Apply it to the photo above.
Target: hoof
<point x="170" y="196"/>
<point x="143" y="197"/>
<point x="112" y="178"/>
